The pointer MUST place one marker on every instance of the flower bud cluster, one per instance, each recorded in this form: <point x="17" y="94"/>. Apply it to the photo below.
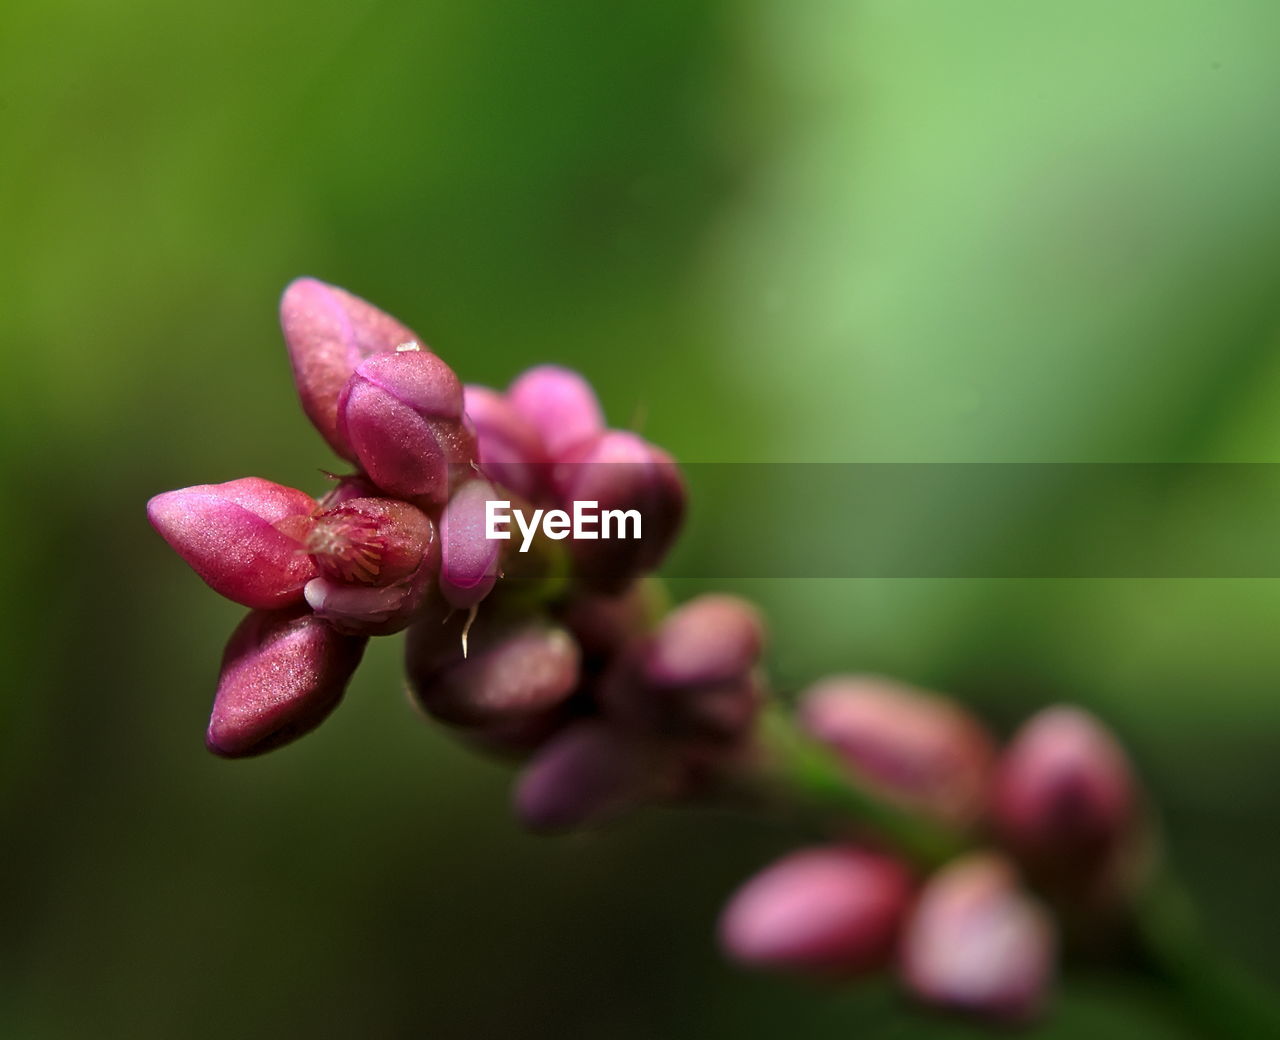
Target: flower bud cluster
<point x="1059" y="805"/>
<point x="403" y="537"/>
<point x="563" y="655"/>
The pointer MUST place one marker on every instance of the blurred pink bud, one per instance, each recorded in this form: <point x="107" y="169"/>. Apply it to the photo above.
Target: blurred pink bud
<point x="604" y="624"/>
<point x="1065" y="798"/>
<point x="329" y="333"/>
<point x="282" y="674"/>
<point x="832" y="911"/>
<point x="244" y="538"/>
<point x="469" y="565"/>
<point x="509" y="674"/>
<point x="510" y="449"/>
<point x="976" y="942"/>
<point x="694" y="676"/>
<point x="586" y="774"/>
<point x="918" y="747"/>
<point x="620" y="471"/>
<point x="401" y="414"/>
<point x="711" y="639"/>
<point x="559" y="404"/>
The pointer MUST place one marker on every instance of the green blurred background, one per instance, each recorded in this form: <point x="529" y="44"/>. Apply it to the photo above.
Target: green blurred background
<point x="811" y="231"/>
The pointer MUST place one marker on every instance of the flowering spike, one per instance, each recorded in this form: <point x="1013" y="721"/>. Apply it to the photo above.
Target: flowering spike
<point x="402" y="415"/>
<point x="244" y="538"/>
<point x="832" y="911"/>
<point x="509" y="447"/>
<point x="282" y="674"/>
<point x="915" y="746"/>
<point x="975" y="942"/>
<point x="329" y="332"/>
<point x="586" y="774"/>
<point x="469" y="564"/>
<point x="623" y="472"/>
<point x="560" y="405"/>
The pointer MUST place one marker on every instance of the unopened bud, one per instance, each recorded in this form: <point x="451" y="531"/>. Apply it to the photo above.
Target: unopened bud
<point x="282" y="674"/>
<point x="711" y="639"/>
<point x="1065" y="799"/>
<point x="509" y="447"/>
<point x="508" y="675"/>
<point x="624" y="474"/>
<point x="469" y="565"/>
<point x="401" y="413"/>
<point x="559" y="404"/>
<point x="917" y="747"/>
<point x="832" y="911"/>
<point x="975" y="942"/>
<point x="329" y="333"/>
<point x="244" y="538"/>
<point x="586" y="774"/>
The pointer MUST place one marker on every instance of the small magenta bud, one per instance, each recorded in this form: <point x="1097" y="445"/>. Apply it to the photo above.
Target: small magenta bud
<point x="975" y="942"/>
<point x="694" y="676"/>
<point x="244" y="538"/>
<point x="469" y="564"/>
<point x="586" y="774"/>
<point x="401" y="413"/>
<point x="282" y="674"/>
<point x="604" y="624"/>
<point x="624" y="473"/>
<point x="918" y="747"/>
<point x="559" y="404"/>
<point x="510" y="449"/>
<point x="831" y="911"/>
<point x="711" y="639"/>
<point x="508" y="675"/>
<point x="329" y="333"/>
<point x="1065" y="799"/>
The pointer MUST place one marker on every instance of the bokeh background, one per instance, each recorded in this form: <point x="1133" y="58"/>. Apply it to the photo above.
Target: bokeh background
<point x="814" y="231"/>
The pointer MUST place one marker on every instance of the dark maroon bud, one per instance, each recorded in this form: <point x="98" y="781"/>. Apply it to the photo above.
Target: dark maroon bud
<point x="282" y="674"/>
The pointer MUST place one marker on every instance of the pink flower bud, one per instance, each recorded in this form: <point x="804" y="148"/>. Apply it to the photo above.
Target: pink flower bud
<point x="282" y="674"/>
<point x="510" y="449"/>
<point x="604" y="624"/>
<point x="694" y="676"/>
<point x="401" y="414"/>
<point x="975" y="942"/>
<point x="917" y="747"/>
<point x="620" y="471"/>
<point x="1065" y="799"/>
<point x="244" y="538"/>
<point x="711" y="639"/>
<point x="832" y="911"/>
<point x="559" y="404"/>
<point x="586" y="774"/>
<point x="509" y="674"/>
<point x="329" y="333"/>
<point x="469" y="564"/>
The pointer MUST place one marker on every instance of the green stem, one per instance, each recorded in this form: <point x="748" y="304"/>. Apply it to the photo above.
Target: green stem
<point x="803" y="774"/>
<point x="1218" y="997"/>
